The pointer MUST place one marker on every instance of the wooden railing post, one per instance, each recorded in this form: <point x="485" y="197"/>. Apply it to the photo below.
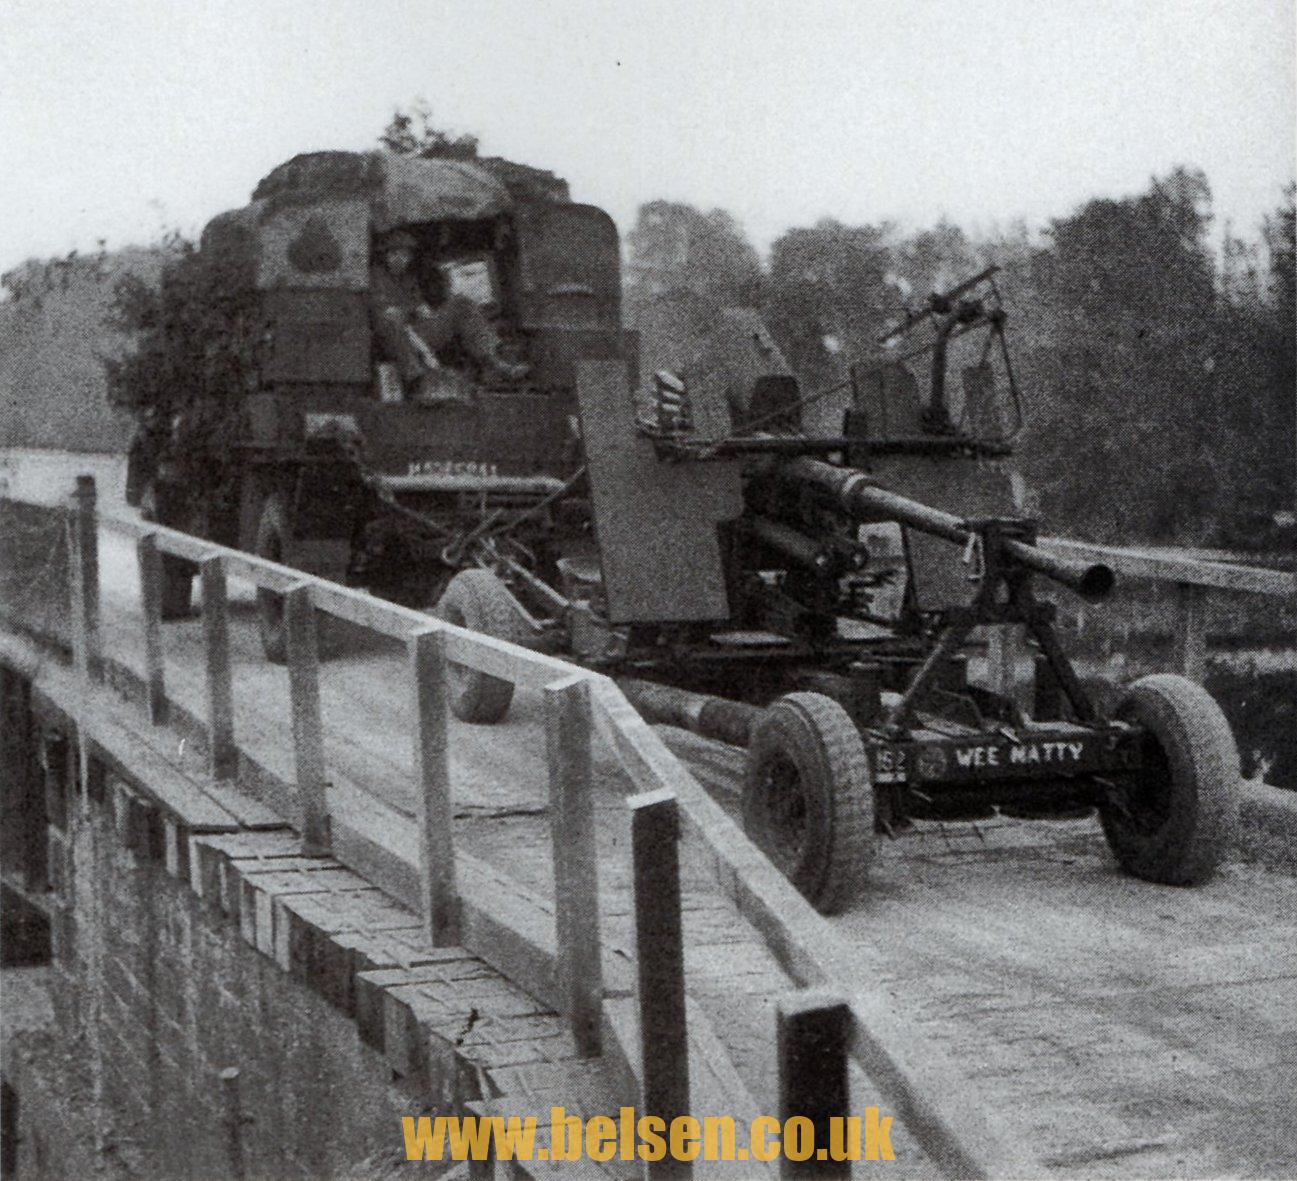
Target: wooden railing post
<point x="576" y="859"/>
<point x="223" y="755"/>
<point x="1006" y="652"/>
<point x="1190" y="636"/>
<point x="232" y="1121"/>
<point x="149" y="559"/>
<point x="438" y="891"/>
<point x="308" y="731"/>
<point x="659" y="957"/>
<point x="84" y="574"/>
<point x="812" y="1030"/>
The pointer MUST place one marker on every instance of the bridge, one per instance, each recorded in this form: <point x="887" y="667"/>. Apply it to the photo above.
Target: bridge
<point x="562" y="909"/>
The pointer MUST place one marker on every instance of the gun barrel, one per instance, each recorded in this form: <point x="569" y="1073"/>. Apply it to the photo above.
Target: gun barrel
<point x="866" y="502"/>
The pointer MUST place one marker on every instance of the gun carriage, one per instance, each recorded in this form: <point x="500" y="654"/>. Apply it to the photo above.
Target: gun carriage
<point x="818" y="599"/>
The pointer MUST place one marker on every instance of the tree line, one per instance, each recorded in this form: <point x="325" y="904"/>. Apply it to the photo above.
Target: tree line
<point x="1157" y="372"/>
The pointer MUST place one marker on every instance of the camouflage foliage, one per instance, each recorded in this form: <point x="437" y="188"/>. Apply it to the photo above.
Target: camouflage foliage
<point x="196" y="332"/>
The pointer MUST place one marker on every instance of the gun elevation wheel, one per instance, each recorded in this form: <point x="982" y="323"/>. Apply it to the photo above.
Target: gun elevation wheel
<point x="809" y="803"/>
<point x="479" y="601"/>
<point x="177" y="574"/>
<point x="1172" y="823"/>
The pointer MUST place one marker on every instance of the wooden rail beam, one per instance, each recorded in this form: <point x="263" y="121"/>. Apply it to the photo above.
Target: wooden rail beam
<point x="223" y="754"/>
<point x="484" y="653"/>
<point x="149" y="559"/>
<point x="308" y="729"/>
<point x="438" y="891"/>
<point x="1172" y="568"/>
<point x="659" y="956"/>
<point x="576" y="858"/>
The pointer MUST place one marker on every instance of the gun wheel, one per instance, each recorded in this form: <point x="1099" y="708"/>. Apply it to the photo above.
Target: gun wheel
<point x="1173" y="822"/>
<point x="809" y="802"/>
<point x="177" y="574"/>
<point x="479" y="601"/>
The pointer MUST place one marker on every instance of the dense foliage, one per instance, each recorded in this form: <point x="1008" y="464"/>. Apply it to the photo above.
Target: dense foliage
<point x="196" y="337"/>
<point x="413" y="133"/>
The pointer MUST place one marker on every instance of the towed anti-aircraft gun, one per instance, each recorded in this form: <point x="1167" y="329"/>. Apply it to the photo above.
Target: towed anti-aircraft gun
<point x="810" y="597"/>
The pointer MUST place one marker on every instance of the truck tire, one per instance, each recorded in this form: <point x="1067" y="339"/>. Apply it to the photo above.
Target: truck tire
<point x="479" y="601"/>
<point x="808" y="802"/>
<point x="272" y="543"/>
<point x="177" y="574"/>
<point x="1174" y="822"/>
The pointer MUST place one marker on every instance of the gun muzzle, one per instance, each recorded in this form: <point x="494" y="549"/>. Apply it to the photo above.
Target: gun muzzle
<point x="797" y="546"/>
<point x="1092" y="581"/>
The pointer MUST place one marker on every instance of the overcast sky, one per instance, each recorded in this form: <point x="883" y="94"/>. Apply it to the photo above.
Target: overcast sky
<point x="123" y="116"/>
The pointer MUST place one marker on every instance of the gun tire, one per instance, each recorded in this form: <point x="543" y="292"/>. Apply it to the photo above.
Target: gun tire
<point x="479" y="601"/>
<point x="1174" y="823"/>
<point x="808" y="802"/>
<point x="177" y="574"/>
<point x="272" y="543"/>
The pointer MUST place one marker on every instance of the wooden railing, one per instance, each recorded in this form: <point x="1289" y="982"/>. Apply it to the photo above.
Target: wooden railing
<point x="1193" y="579"/>
<point x="840" y="1016"/>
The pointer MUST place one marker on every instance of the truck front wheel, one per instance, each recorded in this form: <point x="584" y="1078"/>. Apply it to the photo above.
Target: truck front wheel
<point x="808" y="802"/>
<point x="479" y="601"/>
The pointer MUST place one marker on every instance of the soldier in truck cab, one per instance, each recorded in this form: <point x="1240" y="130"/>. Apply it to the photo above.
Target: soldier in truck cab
<point x="414" y="321"/>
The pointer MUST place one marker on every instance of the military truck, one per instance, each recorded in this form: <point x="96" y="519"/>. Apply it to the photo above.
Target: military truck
<point x="306" y="450"/>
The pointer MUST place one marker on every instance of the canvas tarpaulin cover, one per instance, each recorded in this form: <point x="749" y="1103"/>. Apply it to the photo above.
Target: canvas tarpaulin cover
<point x="400" y="190"/>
